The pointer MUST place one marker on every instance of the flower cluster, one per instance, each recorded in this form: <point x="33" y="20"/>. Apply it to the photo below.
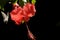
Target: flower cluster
<point x="19" y="14"/>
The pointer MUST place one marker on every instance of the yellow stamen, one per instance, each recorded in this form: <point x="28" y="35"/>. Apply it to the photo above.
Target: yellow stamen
<point x="22" y="21"/>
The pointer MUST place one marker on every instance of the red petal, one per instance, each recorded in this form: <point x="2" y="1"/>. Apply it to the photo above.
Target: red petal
<point x="29" y="9"/>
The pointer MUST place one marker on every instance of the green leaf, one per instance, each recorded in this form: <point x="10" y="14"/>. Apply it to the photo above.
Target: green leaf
<point x="33" y="1"/>
<point x="13" y="1"/>
<point x="21" y="3"/>
<point x="3" y="2"/>
<point x="28" y="1"/>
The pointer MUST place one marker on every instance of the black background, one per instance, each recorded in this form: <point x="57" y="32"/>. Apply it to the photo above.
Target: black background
<point x="43" y="23"/>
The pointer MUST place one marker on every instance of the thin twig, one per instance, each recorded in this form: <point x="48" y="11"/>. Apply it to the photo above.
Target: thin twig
<point x="30" y="35"/>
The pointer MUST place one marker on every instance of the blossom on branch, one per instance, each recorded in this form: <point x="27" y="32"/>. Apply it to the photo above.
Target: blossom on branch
<point x="19" y="14"/>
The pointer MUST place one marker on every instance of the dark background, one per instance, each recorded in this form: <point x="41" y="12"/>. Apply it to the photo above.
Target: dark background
<point x="47" y="20"/>
<point x="43" y="24"/>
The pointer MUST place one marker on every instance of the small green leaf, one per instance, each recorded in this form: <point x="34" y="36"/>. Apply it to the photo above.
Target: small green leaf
<point x="27" y="0"/>
<point x="21" y="3"/>
<point x="33" y="1"/>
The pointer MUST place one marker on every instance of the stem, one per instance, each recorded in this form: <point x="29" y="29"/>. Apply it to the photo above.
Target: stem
<point x="30" y="35"/>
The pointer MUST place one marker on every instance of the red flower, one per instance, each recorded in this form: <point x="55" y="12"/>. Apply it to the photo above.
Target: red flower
<point x="19" y="14"/>
<point x="29" y="11"/>
<point x="16" y="14"/>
